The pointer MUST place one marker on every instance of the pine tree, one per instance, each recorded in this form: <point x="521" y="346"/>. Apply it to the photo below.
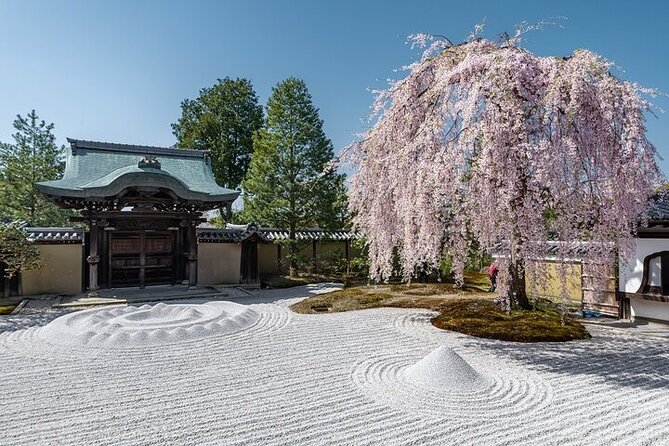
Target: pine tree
<point x="291" y="183"/>
<point x="33" y="157"/>
<point x="222" y="120"/>
<point x="17" y="253"/>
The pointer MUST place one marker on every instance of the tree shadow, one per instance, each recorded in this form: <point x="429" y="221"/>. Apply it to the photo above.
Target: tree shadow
<point x="22" y="321"/>
<point x="615" y="357"/>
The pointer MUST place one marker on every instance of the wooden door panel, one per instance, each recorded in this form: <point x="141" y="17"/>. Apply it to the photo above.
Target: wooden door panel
<point x="141" y="258"/>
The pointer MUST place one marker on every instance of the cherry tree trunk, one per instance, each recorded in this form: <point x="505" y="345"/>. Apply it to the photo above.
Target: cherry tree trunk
<point x="517" y="285"/>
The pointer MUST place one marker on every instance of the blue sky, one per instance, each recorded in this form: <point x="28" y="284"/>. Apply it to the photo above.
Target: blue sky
<point x="118" y="70"/>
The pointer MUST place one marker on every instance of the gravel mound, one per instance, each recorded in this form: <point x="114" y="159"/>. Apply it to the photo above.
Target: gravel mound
<point x="443" y="369"/>
<point x="134" y="326"/>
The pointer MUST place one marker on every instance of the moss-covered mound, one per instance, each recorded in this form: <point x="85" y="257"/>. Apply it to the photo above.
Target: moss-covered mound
<point x="484" y="319"/>
<point x="343" y="300"/>
<point x="464" y="310"/>
<point x="6" y="309"/>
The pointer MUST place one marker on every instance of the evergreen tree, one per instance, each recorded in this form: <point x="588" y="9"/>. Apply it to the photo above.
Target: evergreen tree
<point x="222" y="120"/>
<point x="33" y="157"/>
<point x="17" y="253"/>
<point x="291" y="183"/>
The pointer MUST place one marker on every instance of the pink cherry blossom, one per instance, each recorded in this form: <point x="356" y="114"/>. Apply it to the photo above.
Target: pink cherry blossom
<point x="487" y="142"/>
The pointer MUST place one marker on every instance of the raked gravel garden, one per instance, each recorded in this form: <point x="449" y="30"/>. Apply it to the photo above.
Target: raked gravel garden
<point x="256" y="373"/>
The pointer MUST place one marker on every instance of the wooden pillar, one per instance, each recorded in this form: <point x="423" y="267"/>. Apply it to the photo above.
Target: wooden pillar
<point x="192" y="253"/>
<point x="93" y="259"/>
<point x="181" y="255"/>
<point x="142" y="259"/>
<point x="347" y="250"/>
<point x="4" y="281"/>
<point x="278" y="258"/>
<point x="313" y="255"/>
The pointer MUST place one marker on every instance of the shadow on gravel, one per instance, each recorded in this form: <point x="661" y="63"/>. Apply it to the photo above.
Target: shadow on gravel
<point x="39" y="311"/>
<point x="618" y="359"/>
<point x="11" y="323"/>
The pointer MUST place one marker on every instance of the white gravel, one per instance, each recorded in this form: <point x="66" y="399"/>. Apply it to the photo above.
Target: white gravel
<point x="158" y="324"/>
<point x="445" y="371"/>
<point x="360" y="378"/>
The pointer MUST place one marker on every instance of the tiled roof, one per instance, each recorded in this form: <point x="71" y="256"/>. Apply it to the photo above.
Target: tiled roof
<point x="239" y="233"/>
<point x="659" y="208"/>
<point x="132" y="148"/>
<point x="95" y="170"/>
<point x="55" y="235"/>
<point x="309" y="234"/>
<point x="230" y="234"/>
<point x="554" y="249"/>
<point x="217" y="235"/>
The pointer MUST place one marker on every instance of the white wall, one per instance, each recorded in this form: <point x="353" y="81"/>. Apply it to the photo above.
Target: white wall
<point x="631" y="272"/>
<point x="60" y="272"/>
<point x="218" y="263"/>
<point x="649" y="309"/>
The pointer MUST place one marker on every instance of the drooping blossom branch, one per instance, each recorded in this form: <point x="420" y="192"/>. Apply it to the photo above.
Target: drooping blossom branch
<point x="487" y="141"/>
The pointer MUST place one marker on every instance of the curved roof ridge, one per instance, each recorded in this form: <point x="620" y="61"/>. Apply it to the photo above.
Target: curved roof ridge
<point x="135" y="148"/>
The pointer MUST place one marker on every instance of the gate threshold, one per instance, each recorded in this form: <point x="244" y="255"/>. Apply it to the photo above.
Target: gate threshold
<point x="133" y="295"/>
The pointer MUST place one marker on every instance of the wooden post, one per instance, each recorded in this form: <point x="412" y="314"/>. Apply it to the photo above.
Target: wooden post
<point x="278" y="258"/>
<point x="142" y="259"/>
<point x="93" y="259"/>
<point x="347" y="250"/>
<point x="192" y="254"/>
<point x="4" y="282"/>
<point x="181" y="254"/>
<point x="313" y="255"/>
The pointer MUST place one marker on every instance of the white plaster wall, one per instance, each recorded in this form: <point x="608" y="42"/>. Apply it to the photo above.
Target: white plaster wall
<point x="655" y="274"/>
<point x="650" y="309"/>
<point x="60" y="272"/>
<point x="218" y="263"/>
<point x="631" y="272"/>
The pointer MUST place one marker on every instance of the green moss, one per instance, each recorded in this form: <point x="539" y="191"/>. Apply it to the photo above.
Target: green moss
<point x="485" y="320"/>
<point x="433" y="289"/>
<point x="6" y="309"/>
<point x="283" y="282"/>
<point x="342" y="300"/>
<point x="472" y="316"/>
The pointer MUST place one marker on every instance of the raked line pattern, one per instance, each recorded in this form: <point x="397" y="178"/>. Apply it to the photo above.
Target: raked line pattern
<point x="332" y="379"/>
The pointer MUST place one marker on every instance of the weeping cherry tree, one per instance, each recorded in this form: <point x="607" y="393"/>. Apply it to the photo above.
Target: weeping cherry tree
<point x="485" y="141"/>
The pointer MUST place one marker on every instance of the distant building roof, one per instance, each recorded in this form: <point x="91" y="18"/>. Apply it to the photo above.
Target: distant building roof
<point x="99" y="170"/>
<point x="659" y="208"/>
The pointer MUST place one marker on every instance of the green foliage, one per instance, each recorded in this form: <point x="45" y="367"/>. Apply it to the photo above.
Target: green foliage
<point x="476" y="260"/>
<point x="33" y="157"/>
<point x="360" y="262"/>
<point x="222" y="120"/>
<point x="290" y="183"/>
<point x="332" y="261"/>
<point x="446" y="267"/>
<point x="218" y="221"/>
<point x="16" y="252"/>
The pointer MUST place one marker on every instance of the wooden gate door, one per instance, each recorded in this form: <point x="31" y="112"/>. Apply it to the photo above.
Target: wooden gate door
<point x="140" y="258"/>
<point x="249" y="262"/>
